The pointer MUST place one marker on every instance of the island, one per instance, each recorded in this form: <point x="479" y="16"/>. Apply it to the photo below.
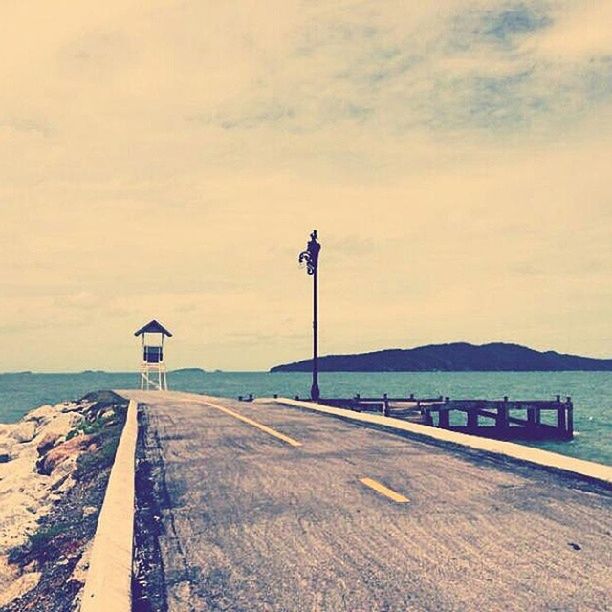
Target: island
<point x="455" y="356"/>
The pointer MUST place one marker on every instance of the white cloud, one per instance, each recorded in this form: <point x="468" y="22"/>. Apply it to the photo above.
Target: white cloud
<point x="173" y="158"/>
<point x="580" y="31"/>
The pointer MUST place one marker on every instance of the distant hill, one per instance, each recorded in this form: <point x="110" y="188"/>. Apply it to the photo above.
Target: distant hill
<point x="457" y="356"/>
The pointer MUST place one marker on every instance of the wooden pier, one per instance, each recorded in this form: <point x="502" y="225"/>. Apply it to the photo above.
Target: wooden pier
<point x="505" y="419"/>
<point x="499" y="419"/>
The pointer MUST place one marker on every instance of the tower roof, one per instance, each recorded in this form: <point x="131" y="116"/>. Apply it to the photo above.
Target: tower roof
<point x="153" y="327"/>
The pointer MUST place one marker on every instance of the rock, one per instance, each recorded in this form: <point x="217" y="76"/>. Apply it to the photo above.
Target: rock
<point x="59" y="427"/>
<point x="80" y="571"/>
<point x="44" y="510"/>
<point x="24" y="432"/>
<point x="42" y="414"/>
<point x="5" y="454"/>
<point x="71" y="448"/>
<point x="19" y="587"/>
<point x="56" y="431"/>
<point x="108" y="417"/>
<point x="80" y="574"/>
<point x="47" y="441"/>
<point x="69" y="407"/>
<point x="8" y="573"/>
<point x="89" y="510"/>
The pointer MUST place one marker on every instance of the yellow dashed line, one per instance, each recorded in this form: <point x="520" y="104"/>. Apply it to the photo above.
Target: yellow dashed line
<point x="268" y="430"/>
<point x="380" y="488"/>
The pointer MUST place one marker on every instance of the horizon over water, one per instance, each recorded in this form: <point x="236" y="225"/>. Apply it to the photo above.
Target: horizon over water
<point x="591" y="392"/>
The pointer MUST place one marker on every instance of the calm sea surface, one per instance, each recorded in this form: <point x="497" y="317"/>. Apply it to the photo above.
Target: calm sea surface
<point x="591" y="393"/>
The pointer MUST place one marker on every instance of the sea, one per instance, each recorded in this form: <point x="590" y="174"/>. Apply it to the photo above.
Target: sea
<point x="591" y="393"/>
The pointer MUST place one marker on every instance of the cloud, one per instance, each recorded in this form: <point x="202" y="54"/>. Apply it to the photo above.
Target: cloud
<point x="170" y="160"/>
<point x="582" y="30"/>
<point x="502" y="25"/>
<point x="479" y="68"/>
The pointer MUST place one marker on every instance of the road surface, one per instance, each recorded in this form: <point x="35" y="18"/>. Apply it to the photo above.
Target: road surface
<point x="269" y="507"/>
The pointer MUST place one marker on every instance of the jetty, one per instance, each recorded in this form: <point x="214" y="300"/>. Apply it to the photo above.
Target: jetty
<point x="524" y="419"/>
<point x="278" y="504"/>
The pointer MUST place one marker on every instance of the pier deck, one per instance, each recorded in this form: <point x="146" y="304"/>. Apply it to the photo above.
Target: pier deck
<point x="271" y="507"/>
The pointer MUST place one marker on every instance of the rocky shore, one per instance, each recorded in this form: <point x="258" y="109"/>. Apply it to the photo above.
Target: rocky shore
<point x="54" y="467"/>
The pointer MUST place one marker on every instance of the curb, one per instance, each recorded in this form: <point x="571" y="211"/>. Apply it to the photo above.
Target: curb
<point x="536" y="456"/>
<point x="108" y="585"/>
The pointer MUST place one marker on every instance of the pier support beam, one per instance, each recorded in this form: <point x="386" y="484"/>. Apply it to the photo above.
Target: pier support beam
<point x="561" y="420"/>
<point x="501" y="420"/>
<point x="533" y="417"/>
<point x="385" y="405"/>
<point x="444" y="421"/>
<point x="570" y="419"/>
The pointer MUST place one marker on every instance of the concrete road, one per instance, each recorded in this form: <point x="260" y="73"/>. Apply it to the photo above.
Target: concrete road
<point x="268" y="507"/>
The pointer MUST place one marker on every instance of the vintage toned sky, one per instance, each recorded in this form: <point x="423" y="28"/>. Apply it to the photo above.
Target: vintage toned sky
<point x="169" y="158"/>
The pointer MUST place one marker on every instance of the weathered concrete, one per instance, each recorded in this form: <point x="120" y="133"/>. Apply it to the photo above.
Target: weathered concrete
<point x="251" y="522"/>
<point x="109" y="579"/>
<point x="511" y="450"/>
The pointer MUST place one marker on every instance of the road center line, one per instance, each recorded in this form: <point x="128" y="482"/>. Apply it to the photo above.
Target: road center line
<point x="380" y="488"/>
<point x="268" y="430"/>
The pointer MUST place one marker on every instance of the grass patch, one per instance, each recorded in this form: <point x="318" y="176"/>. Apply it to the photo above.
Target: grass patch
<point x="90" y="462"/>
<point x="42" y="545"/>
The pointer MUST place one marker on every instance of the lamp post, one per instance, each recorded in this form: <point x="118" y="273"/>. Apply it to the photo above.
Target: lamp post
<point x="311" y="258"/>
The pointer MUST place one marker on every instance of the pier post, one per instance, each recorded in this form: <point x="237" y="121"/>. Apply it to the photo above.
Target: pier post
<point x="385" y="406"/>
<point x="561" y="420"/>
<point x="444" y="415"/>
<point x="533" y="417"/>
<point x="472" y="419"/>
<point x="444" y="421"/>
<point x="570" y="418"/>
<point x="501" y="420"/>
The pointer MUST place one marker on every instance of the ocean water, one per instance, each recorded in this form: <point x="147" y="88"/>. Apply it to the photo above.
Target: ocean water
<point x="591" y="393"/>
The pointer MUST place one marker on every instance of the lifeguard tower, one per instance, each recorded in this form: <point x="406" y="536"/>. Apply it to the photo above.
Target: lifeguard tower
<point x="153" y="368"/>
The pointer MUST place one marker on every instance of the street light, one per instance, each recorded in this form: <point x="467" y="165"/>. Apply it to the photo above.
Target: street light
<point x="311" y="258"/>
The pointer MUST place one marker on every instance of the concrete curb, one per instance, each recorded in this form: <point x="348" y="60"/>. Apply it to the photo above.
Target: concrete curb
<point x="535" y="456"/>
<point x="108" y="585"/>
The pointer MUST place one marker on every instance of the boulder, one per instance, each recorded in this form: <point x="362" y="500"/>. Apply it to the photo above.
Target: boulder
<point x="63" y="471"/>
<point x="47" y="441"/>
<point x="18" y="587"/>
<point x="108" y="415"/>
<point x="24" y="432"/>
<point x="5" y="454"/>
<point x="57" y="429"/>
<point x="69" y="407"/>
<point x="42" y="414"/>
<point x="71" y="448"/>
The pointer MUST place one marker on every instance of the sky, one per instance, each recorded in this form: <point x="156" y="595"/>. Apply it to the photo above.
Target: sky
<point x="168" y="159"/>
